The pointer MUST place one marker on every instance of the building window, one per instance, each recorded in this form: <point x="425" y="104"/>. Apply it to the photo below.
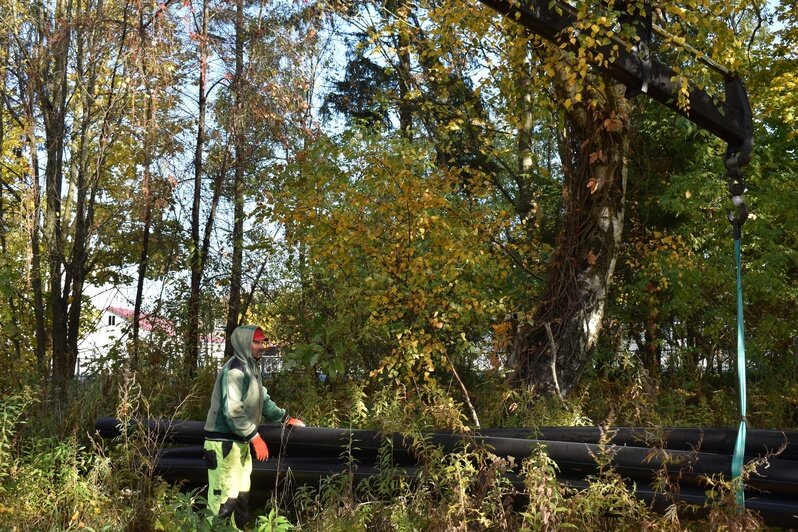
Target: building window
<point x="111" y="320"/>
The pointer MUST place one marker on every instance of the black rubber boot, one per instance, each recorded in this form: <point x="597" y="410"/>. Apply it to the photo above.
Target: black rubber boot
<point x="226" y="509"/>
<point x="242" y="509"/>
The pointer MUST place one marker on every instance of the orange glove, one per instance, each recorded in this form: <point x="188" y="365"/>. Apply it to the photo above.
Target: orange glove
<point x="294" y="422"/>
<point x="261" y="449"/>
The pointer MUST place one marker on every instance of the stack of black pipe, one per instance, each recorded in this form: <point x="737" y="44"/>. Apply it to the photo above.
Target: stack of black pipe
<point x="687" y="455"/>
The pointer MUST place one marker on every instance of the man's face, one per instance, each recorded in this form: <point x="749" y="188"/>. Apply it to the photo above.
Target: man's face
<point x="257" y="348"/>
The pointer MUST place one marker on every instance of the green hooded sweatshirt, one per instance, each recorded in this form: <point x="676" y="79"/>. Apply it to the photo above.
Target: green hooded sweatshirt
<point x="239" y="399"/>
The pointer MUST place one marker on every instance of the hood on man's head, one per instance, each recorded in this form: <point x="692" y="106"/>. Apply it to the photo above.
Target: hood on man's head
<point x="241" y="340"/>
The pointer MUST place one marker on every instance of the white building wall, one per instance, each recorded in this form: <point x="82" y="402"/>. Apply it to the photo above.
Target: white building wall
<point x="111" y="332"/>
<point x="108" y="332"/>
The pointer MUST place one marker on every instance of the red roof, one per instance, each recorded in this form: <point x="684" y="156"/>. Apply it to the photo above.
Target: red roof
<point x="146" y="322"/>
<point x="212" y="339"/>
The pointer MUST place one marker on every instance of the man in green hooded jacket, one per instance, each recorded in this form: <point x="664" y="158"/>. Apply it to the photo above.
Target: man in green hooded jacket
<point x="238" y="404"/>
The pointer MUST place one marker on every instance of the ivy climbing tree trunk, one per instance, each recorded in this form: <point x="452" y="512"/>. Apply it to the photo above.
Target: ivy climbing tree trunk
<point x="551" y="351"/>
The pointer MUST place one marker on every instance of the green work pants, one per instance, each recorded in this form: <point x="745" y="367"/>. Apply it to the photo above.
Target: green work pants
<point x="229" y="468"/>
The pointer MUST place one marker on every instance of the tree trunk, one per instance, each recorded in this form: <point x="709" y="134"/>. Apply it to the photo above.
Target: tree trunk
<point x="550" y="354"/>
<point x="651" y="347"/>
<point x="75" y="268"/>
<point x="234" y="308"/>
<point x="90" y="163"/>
<point x="195" y="258"/>
<point x="144" y="256"/>
<point x="402" y="10"/>
<point x="524" y="205"/>
<point x="52" y="91"/>
<point x="403" y="50"/>
<point x="27" y="95"/>
<point x="12" y="306"/>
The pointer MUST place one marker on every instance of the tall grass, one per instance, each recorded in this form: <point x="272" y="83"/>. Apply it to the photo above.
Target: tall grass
<point x="54" y="475"/>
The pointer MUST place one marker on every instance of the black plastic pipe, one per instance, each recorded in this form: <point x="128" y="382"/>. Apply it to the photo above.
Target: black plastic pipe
<point x="636" y="463"/>
<point x="758" y="442"/>
<point x="186" y="465"/>
<point x="334" y="441"/>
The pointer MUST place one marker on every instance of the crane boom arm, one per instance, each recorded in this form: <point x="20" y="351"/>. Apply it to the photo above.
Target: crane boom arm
<point x="730" y="120"/>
